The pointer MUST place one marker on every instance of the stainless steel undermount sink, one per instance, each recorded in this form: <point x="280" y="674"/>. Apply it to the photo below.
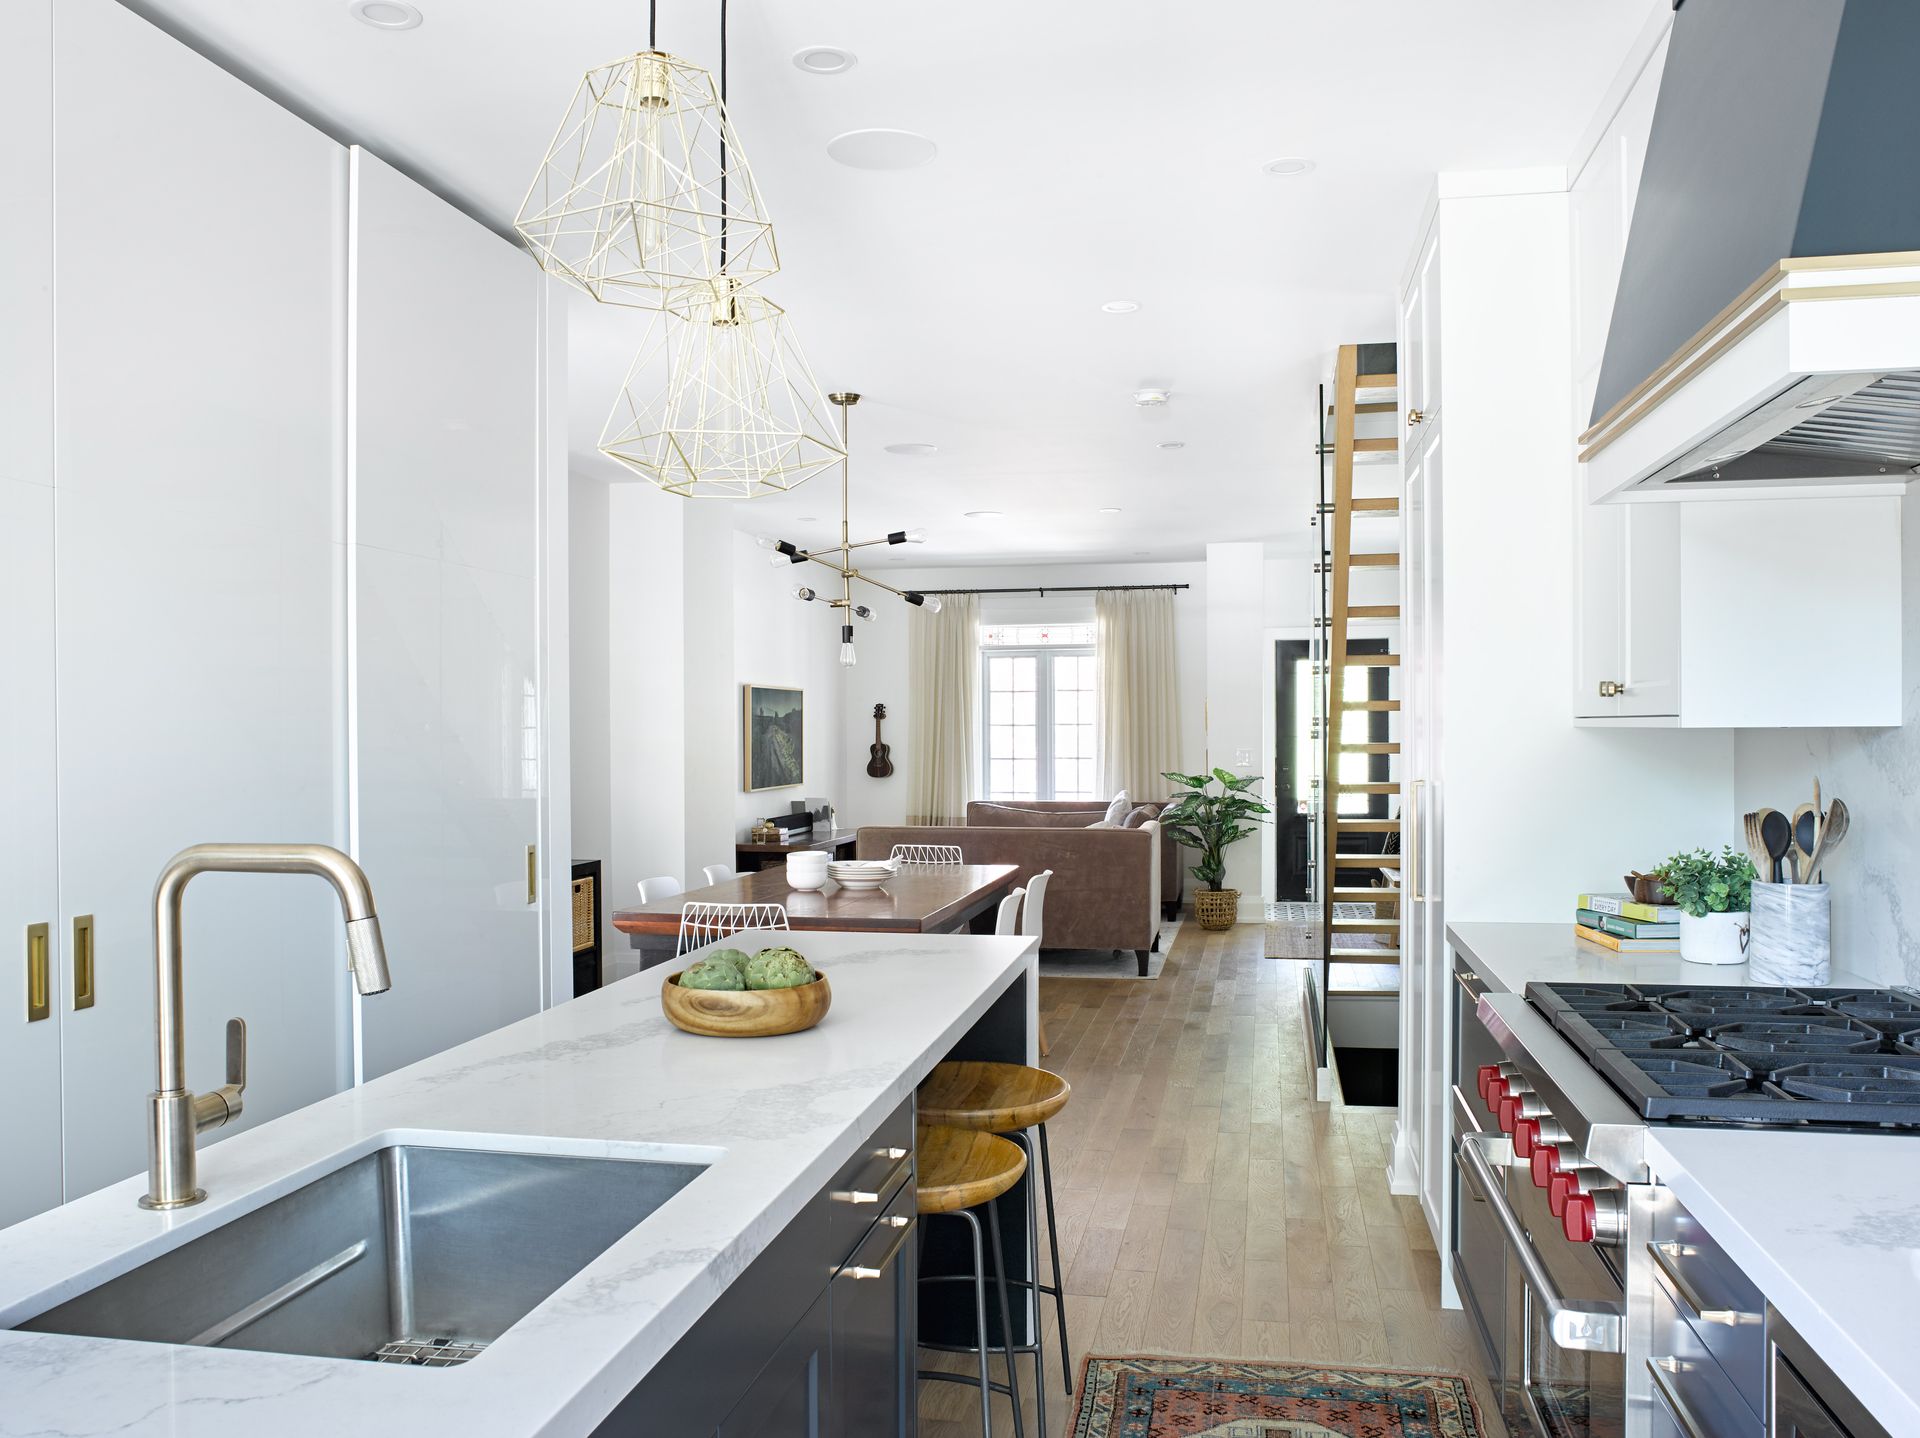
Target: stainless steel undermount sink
<point x="411" y="1254"/>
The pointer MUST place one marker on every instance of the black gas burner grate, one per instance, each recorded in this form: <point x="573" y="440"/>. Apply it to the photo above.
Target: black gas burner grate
<point x="1749" y="1055"/>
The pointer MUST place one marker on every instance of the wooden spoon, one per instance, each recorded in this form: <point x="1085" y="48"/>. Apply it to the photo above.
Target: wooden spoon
<point x="1806" y="825"/>
<point x="1757" y="846"/>
<point x="1835" y="827"/>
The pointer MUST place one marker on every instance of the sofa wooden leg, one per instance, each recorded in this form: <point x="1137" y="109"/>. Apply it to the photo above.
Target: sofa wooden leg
<point x="1156" y="941"/>
<point x="1141" y="955"/>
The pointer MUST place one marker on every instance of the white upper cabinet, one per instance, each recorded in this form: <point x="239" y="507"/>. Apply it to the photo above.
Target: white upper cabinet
<point x="197" y="358"/>
<point x="446" y="475"/>
<point x="1420" y="368"/>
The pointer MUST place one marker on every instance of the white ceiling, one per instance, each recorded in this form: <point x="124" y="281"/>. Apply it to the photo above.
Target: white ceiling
<point x="1089" y="150"/>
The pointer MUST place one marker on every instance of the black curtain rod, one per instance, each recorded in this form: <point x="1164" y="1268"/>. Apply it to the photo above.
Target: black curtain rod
<point x="1056" y="589"/>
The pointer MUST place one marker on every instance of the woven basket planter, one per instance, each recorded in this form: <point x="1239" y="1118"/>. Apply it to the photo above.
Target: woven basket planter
<point x="1216" y="909"/>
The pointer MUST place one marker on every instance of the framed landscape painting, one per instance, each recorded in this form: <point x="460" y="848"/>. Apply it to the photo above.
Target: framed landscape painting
<point x="772" y="731"/>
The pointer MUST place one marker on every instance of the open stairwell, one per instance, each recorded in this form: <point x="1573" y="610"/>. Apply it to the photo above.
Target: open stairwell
<point x="1358" y="869"/>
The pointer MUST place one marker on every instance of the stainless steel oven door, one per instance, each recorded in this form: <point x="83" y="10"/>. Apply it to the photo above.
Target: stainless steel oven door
<point x="1565" y="1369"/>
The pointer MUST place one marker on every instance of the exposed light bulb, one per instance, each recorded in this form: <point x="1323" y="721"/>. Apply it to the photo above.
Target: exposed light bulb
<point x="801" y="591"/>
<point x="863" y="611"/>
<point x="766" y="541"/>
<point x="933" y="604"/>
<point x="916" y="536"/>
<point x="847" y="657"/>
<point x="651" y="98"/>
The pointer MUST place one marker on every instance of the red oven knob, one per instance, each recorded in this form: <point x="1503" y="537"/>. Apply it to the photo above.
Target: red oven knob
<point x="1509" y="1112"/>
<point x="1546" y="1163"/>
<point x="1560" y="1187"/>
<point x="1578" y="1218"/>
<point x="1526" y="1137"/>
<point x="1495" y="1090"/>
<point x="1488" y="1073"/>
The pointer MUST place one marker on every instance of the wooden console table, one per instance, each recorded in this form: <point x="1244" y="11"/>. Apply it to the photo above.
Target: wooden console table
<point x="752" y="858"/>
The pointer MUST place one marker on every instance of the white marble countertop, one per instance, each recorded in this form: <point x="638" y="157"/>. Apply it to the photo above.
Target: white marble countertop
<point x="1827" y="1225"/>
<point x="1510" y="956"/>
<point x="604" y="1074"/>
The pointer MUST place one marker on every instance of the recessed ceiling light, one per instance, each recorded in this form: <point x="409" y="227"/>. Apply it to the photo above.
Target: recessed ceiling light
<point x="1172" y="444"/>
<point x="1121" y="307"/>
<point x="385" y="14"/>
<point x="983" y="514"/>
<point x="882" y="149"/>
<point x="825" y="60"/>
<point x="1149" y="398"/>
<point x="1288" y="165"/>
<point x="914" y="449"/>
<point x="1109" y="511"/>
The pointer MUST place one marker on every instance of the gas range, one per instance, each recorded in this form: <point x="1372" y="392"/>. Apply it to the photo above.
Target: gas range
<point x="1753" y="1056"/>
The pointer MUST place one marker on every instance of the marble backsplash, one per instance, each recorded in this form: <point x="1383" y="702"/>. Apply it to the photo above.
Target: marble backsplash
<point x="1876" y="873"/>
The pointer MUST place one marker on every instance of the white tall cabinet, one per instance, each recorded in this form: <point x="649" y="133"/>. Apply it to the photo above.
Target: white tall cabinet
<point x="446" y="321"/>
<point x="185" y="506"/>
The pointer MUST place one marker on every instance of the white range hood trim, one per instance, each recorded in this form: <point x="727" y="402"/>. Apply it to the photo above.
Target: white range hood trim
<point x="1820" y="328"/>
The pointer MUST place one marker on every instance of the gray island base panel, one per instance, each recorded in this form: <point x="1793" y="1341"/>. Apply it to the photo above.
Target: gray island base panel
<point x="775" y="1122"/>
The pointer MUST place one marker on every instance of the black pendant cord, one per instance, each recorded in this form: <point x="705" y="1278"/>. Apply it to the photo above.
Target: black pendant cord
<point x="725" y="158"/>
<point x="653" y="24"/>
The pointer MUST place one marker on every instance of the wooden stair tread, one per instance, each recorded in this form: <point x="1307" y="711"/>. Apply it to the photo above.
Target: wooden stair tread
<point x="1366" y="826"/>
<point x="1347" y="860"/>
<point x="1375" y="446"/>
<point x="958" y="1168"/>
<point x="1375" y="925"/>
<point x="1376" y="506"/>
<point x="1372" y="406"/>
<point x="1370" y="748"/>
<point x="1376" y="381"/>
<point x="1366" y="896"/>
<point x="1363" y="956"/>
<point x="1368" y="788"/>
<point x="1378" y="706"/>
<point x="1384" y="560"/>
<point x="1372" y="661"/>
<point x="995" y="1097"/>
<point x="1373" y="611"/>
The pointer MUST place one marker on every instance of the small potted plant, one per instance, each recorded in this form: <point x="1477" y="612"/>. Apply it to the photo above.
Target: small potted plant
<point x="1714" y="894"/>
<point x="1207" y="820"/>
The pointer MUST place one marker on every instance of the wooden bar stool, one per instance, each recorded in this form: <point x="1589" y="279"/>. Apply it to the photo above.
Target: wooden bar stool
<point x="1008" y="1099"/>
<point x="960" y="1171"/>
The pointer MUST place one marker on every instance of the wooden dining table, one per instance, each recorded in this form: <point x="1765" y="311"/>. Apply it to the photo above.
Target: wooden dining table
<point x="920" y="899"/>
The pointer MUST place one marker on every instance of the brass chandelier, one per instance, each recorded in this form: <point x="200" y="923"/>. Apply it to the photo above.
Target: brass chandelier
<point x="644" y="199"/>
<point x="839" y="557"/>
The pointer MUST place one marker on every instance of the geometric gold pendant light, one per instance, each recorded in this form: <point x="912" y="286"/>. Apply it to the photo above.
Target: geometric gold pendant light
<point x="644" y="195"/>
<point x="720" y="403"/>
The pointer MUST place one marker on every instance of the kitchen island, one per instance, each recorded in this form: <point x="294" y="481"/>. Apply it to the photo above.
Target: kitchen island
<point x="770" y="1121"/>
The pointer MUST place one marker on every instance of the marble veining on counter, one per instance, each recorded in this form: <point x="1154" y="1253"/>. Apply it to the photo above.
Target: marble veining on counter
<point x="1511" y="956"/>
<point x="1827" y="1225"/>
<point x="605" y="1074"/>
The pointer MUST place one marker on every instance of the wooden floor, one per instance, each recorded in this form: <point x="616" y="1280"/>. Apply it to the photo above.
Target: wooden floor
<point x="1208" y="1205"/>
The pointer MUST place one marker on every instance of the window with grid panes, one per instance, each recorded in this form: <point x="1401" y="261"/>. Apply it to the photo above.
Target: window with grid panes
<point x="1040" y="717"/>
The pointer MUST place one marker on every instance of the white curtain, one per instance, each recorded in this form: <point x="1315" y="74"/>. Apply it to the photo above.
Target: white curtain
<point x="1139" y="691"/>
<point x="943" y="685"/>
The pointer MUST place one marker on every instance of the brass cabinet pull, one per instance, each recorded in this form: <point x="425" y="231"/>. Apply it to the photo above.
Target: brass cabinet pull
<point x="533" y="874"/>
<point x="83" y="961"/>
<point x="39" y="974"/>
<point x="1611" y="689"/>
<point x="1414" y="417"/>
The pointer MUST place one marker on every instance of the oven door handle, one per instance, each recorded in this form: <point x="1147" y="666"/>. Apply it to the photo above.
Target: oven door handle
<point x="1571" y="1323"/>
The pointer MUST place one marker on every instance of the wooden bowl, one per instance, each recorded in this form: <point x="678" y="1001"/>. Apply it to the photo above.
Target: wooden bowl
<point x="745" y="1013"/>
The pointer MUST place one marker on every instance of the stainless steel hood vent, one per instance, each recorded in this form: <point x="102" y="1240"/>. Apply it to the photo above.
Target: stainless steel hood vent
<point x="1779" y="149"/>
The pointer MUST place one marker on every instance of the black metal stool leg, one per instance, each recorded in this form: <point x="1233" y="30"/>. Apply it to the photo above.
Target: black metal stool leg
<point x="1053" y="1243"/>
<point x="1006" y="1317"/>
<point x="980" y="1318"/>
<point x="1035" y="1285"/>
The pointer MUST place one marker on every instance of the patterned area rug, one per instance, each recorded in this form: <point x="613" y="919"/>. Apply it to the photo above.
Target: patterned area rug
<point x="1199" y="1398"/>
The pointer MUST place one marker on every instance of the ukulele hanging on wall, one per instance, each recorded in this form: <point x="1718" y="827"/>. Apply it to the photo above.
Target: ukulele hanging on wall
<point x="879" y="756"/>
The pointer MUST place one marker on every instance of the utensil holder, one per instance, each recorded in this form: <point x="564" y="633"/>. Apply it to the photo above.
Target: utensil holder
<point x="1792" y="934"/>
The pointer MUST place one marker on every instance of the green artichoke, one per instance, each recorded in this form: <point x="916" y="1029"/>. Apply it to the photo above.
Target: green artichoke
<point x="713" y="972"/>
<point x="778" y="968"/>
<point x="736" y="957"/>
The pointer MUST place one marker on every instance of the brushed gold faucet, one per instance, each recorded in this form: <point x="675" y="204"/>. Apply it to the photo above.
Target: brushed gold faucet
<point x="176" y="1115"/>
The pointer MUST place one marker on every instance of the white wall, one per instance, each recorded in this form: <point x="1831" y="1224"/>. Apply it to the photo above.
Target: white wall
<point x="881" y="675"/>
<point x="587" y="524"/>
<point x="779" y="640"/>
<point x="1876" y="906"/>
<point x="1236" y="679"/>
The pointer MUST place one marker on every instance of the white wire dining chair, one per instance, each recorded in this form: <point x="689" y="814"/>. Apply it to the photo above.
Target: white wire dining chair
<point x="702" y="924"/>
<point x="720" y="873"/>
<point x="927" y="854"/>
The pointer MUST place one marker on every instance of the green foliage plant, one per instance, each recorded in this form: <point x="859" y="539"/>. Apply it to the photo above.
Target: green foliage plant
<point x="1207" y="820"/>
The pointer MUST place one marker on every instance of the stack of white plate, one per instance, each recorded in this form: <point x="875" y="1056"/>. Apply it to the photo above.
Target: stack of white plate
<point x="861" y="873"/>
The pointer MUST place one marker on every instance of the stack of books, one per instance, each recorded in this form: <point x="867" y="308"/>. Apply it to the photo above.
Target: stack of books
<point x="1616" y="921"/>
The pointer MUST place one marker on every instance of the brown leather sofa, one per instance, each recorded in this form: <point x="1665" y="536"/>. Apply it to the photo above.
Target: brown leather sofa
<point x="1078" y="813"/>
<point x="1103" y="894"/>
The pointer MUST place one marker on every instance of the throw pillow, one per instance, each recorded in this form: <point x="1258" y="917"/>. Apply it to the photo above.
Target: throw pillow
<point x="1102" y="824"/>
<point x="1117" y="810"/>
<point x="1141" y="814"/>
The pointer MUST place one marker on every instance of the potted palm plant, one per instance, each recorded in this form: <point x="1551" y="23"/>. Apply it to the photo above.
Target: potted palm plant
<point x="1207" y="820"/>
